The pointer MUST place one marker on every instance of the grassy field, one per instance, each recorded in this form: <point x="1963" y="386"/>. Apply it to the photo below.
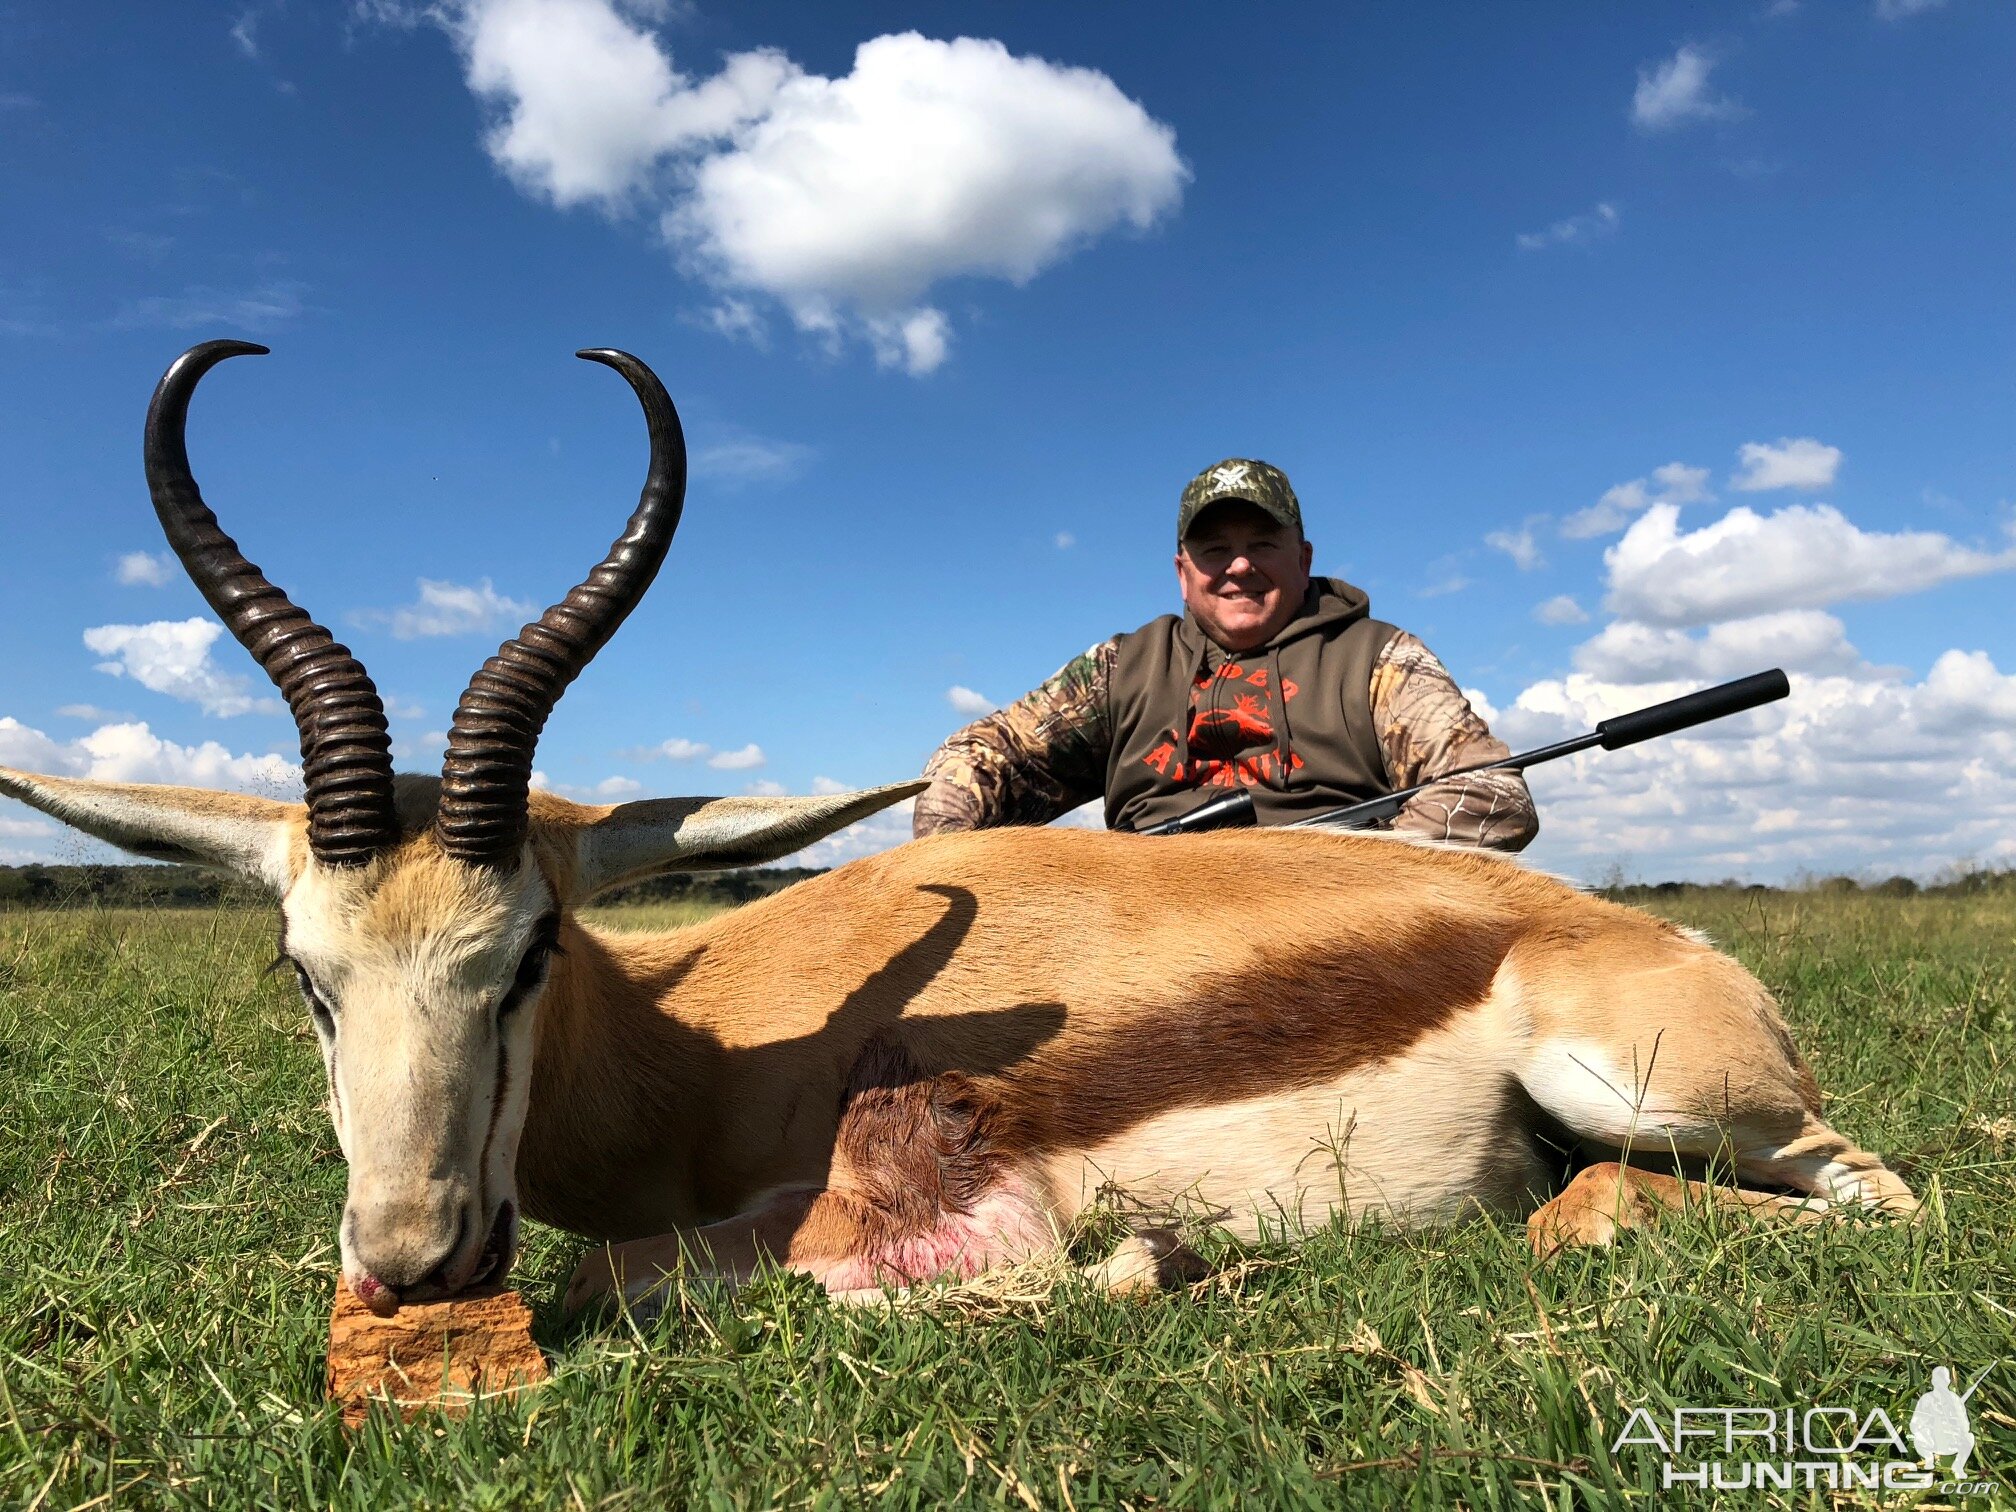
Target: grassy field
<point x="169" y="1189"/>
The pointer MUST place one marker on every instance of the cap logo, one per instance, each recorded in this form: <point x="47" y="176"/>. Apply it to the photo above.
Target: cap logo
<point x="1230" y="475"/>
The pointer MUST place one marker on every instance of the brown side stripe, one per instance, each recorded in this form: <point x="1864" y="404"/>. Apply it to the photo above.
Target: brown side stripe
<point x="1305" y="1020"/>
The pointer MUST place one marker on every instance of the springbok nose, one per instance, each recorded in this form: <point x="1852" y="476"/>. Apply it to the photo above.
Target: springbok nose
<point x="403" y="1251"/>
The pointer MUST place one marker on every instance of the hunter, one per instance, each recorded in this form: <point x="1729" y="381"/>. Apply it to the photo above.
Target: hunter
<point x="1270" y="680"/>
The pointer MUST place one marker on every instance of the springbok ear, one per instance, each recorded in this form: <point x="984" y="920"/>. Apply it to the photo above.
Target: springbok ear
<point x="635" y="840"/>
<point x="231" y="832"/>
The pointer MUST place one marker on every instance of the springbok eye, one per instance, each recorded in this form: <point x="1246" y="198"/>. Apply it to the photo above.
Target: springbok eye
<point x="316" y="1007"/>
<point x="532" y="966"/>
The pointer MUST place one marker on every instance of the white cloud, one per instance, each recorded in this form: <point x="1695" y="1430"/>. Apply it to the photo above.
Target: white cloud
<point x="1964" y="691"/>
<point x="918" y="342"/>
<point x="151" y="569"/>
<point x="591" y="107"/>
<point x="1801" y="557"/>
<point x="880" y="831"/>
<point x="608" y="790"/>
<point x="1795" y="462"/>
<point x="172" y="657"/>
<point x="739" y="320"/>
<point x="264" y="307"/>
<point x="92" y="714"/>
<point x="424" y="752"/>
<point x="1673" y="483"/>
<point x="827" y="787"/>
<point x="245" y="32"/>
<point x="1064" y="540"/>
<point x="1801" y="640"/>
<point x="1857" y="772"/>
<point x="843" y="199"/>
<point x="890" y="827"/>
<point x="1574" y="231"/>
<point x="1862" y="770"/>
<point x="930" y="160"/>
<point x="1518" y="545"/>
<point x="765" y="787"/>
<point x="445" y="608"/>
<point x="1676" y="92"/>
<point x="1091" y="815"/>
<point x="131" y="752"/>
<point x="402" y="14"/>
<point x="967" y="701"/>
<point x="134" y="753"/>
<point x="1899" y="10"/>
<point x="742" y="459"/>
<point x="28" y="750"/>
<point x="679" y="748"/>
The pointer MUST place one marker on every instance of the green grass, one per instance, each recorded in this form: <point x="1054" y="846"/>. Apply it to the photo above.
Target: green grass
<point x="169" y="1187"/>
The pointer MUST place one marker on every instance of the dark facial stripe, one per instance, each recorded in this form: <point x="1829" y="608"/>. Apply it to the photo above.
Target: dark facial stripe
<point x="497" y="1091"/>
<point x="532" y="967"/>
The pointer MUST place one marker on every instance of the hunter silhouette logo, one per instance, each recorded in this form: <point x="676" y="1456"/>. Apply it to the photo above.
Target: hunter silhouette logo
<point x="1939" y="1422"/>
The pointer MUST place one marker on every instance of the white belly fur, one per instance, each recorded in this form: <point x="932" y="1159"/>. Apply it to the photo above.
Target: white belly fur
<point x="1430" y="1135"/>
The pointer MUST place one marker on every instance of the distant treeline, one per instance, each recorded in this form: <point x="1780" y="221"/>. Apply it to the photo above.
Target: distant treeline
<point x="38" y="886"/>
<point x="155" y="886"/>
<point x="1967" y="883"/>
<point x="710" y="887"/>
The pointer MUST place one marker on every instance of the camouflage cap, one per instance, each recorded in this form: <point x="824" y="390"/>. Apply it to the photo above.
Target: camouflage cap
<point x="1264" y="487"/>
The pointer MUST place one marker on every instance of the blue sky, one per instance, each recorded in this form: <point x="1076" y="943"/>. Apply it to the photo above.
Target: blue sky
<point x="1613" y="349"/>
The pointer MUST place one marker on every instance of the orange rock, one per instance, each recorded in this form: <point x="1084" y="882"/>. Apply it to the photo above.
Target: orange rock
<point x="431" y="1356"/>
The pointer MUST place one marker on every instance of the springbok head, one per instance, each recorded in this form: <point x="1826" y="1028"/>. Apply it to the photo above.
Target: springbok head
<point x="419" y="913"/>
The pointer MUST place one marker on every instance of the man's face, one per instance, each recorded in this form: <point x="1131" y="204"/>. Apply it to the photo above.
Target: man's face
<point x="1243" y="574"/>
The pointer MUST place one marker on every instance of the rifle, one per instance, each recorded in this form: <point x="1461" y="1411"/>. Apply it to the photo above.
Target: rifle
<point x="1236" y="808"/>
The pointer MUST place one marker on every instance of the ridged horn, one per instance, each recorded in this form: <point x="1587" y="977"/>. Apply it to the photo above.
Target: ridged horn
<point x="488" y="770"/>
<point x="346" y="751"/>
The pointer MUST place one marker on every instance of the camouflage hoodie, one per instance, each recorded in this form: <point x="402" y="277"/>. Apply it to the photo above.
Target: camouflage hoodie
<point x="1053" y="750"/>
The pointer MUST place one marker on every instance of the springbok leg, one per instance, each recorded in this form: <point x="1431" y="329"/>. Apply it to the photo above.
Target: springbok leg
<point x="1726" y="1084"/>
<point x="1603" y="1199"/>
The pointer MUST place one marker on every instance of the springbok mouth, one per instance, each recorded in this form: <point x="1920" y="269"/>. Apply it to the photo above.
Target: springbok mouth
<point x="490" y="1266"/>
<point x="499" y="1249"/>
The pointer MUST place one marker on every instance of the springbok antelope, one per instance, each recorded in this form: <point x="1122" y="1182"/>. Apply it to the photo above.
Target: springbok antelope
<point x="929" y="1061"/>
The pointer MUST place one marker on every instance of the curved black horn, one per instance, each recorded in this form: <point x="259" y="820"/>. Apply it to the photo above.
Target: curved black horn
<point x="345" y="749"/>
<point x="488" y="770"/>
